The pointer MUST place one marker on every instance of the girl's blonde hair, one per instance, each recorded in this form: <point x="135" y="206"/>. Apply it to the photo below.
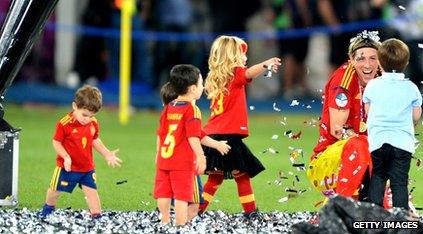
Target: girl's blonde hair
<point x="226" y="53"/>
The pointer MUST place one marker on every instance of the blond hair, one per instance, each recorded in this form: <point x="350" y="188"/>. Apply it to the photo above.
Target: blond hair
<point x="88" y="97"/>
<point x="226" y="53"/>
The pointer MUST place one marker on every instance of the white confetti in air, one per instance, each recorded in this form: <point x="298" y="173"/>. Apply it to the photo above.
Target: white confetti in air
<point x="275" y="108"/>
<point x="308" y="107"/>
<point x="420" y="45"/>
<point x="275" y="137"/>
<point x="345" y="180"/>
<point x="294" y="103"/>
<point x="283" y="199"/>
<point x="401" y="7"/>
<point x="252" y="107"/>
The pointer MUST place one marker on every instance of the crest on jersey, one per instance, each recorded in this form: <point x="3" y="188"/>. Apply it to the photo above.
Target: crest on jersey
<point x="341" y="100"/>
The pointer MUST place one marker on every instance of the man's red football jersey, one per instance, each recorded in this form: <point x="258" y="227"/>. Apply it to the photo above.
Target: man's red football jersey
<point x="342" y="91"/>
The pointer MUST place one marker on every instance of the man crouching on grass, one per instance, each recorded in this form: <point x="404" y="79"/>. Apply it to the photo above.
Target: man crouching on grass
<point x="76" y="134"/>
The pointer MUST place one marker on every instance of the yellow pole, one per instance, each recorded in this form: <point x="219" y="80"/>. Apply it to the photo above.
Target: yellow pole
<point x="127" y="10"/>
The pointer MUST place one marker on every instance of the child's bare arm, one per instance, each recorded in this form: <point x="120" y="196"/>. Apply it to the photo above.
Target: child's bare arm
<point x="60" y="150"/>
<point x="220" y="146"/>
<point x="195" y="144"/>
<point x="110" y="156"/>
<point x="417" y="112"/>
<point x="255" y="70"/>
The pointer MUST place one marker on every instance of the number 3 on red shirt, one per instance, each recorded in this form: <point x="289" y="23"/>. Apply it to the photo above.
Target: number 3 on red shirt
<point x="217" y="105"/>
<point x="169" y="142"/>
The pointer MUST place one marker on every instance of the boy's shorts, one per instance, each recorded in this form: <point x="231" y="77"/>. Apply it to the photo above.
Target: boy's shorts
<point x="66" y="181"/>
<point x="198" y="192"/>
<point x="174" y="184"/>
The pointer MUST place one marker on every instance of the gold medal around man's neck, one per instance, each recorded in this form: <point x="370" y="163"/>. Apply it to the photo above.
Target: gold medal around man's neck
<point x="363" y="126"/>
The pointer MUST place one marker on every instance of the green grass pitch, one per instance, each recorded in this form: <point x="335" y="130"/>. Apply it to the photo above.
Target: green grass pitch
<point x="136" y="142"/>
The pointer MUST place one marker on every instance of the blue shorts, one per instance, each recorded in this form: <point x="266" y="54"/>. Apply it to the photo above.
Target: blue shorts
<point x="198" y="192"/>
<point x="66" y="181"/>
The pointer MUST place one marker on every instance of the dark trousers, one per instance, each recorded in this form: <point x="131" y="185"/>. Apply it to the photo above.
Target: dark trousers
<point x="390" y="163"/>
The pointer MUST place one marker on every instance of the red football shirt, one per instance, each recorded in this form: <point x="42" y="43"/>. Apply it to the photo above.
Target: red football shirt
<point x="229" y="111"/>
<point x="77" y="139"/>
<point x="342" y="91"/>
<point x="179" y="121"/>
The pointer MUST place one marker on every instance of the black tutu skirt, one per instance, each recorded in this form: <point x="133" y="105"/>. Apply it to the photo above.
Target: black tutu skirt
<point x="238" y="158"/>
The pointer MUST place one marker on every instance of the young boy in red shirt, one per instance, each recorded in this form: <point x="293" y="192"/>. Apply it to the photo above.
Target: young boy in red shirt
<point x="75" y="136"/>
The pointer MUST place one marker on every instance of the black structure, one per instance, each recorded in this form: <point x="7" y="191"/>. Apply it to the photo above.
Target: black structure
<point x="22" y="26"/>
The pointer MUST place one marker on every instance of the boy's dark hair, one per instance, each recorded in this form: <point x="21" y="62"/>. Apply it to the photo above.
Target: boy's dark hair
<point x="183" y="76"/>
<point x="88" y="97"/>
<point x="167" y="93"/>
<point x="393" y="55"/>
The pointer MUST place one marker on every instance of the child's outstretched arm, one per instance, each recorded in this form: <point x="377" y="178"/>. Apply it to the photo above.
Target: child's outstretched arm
<point x="220" y="146"/>
<point x="60" y="150"/>
<point x="110" y="156"/>
<point x="195" y="144"/>
<point x="255" y="70"/>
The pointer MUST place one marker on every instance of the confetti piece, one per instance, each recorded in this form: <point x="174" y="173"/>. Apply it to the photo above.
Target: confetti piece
<point x="121" y="182"/>
<point x="275" y="108"/>
<point x="420" y="45"/>
<point x="289" y="190"/>
<point x="352" y="156"/>
<point x="308" y="107"/>
<point x="401" y="7"/>
<point x="294" y="103"/>
<point x="356" y="170"/>
<point x="252" y="107"/>
<point x="283" y="199"/>
<point x="270" y="150"/>
<point x="297" y="178"/>
<point x="275" y="137"/>
<point x="298" y="165"/>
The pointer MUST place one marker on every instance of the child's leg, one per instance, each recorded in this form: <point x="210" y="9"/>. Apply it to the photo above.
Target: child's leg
<point x="164" y="207"/>
<point x="245" y="192"/>
<point x="379" y="175"/>
<point x="93" y="200"/>
<point x="210" y="188"/>
<point x="52" y="197"/>
<point x="193" y="209"/>
<point x="398" y="175"/>
<point x="181" y="212"/>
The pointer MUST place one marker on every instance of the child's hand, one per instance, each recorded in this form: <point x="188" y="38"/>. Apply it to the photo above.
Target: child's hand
<point x="223" y="147"/>
<point x="112" y="159"/>
<point x="274" y="63"/>
<point x="201" y="164"/>
<point x="67" y="163"/>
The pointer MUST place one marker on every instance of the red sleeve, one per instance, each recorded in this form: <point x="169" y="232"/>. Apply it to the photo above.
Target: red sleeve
<point x="59" y="134"/>
<point x="338" y="96"/>
<point x="192" y="124"/>
<point x="203" y="134"/>
<point x="239" y="77"/>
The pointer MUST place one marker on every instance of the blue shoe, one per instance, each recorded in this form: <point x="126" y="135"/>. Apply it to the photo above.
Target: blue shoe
<point x="47" y="210"/>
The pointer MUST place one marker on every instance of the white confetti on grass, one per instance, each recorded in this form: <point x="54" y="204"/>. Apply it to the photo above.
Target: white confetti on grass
<point x="275" y="137"/>
<point x="283" y="199"/>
